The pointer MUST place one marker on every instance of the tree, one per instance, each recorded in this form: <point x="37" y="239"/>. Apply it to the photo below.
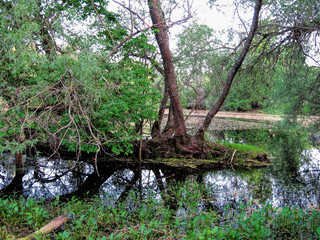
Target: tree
<point x="170" y="79"/>
<point x="68" y="95"/>
<point x="297" y="72"/>
<point x="194" y="57"/>
<point x="162" y="37"/>
<point x="93" y="91"/>
<point x="213" y="111"/>
<point x="81" y="99"/>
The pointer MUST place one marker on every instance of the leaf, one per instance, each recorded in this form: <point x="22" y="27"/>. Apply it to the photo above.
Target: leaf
<point x="148" y="231"/>
<point x="142" y="227"/>
<point x="214" y="230"/>
<point x="123" y="214"/>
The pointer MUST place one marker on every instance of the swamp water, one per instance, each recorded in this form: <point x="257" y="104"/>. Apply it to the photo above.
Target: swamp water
<point x="293" y="179"/>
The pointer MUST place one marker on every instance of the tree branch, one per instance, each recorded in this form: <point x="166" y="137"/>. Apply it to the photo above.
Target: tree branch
<point x="232" y="73"/>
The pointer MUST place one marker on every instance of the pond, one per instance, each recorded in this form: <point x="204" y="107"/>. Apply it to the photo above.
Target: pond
<point x="293" y="179"/>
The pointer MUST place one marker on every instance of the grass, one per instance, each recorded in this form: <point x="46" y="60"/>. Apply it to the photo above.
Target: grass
<point x="244" y="147"/>
<point x="182" y="213"/>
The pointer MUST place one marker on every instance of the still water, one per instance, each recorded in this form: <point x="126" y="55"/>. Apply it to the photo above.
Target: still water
<point x="293" y="179"/>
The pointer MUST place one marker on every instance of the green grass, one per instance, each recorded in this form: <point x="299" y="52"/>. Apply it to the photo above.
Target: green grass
<point x="147" y="218"/>
<point x="244" y="147"/>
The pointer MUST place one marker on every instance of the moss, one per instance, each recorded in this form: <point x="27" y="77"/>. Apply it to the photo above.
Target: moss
<point x="241" y="160"/>
<point x="199" y="155"/>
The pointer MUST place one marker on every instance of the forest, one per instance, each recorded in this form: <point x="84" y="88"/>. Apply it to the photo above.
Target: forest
<point x="118" y="93"/>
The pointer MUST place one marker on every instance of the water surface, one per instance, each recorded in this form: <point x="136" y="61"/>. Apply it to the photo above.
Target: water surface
<point x="292" y="180"/>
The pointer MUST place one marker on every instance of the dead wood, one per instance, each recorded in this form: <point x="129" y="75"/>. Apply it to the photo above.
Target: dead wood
<point x="51" y="226"/>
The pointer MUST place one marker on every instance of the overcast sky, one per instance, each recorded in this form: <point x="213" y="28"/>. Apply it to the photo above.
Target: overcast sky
<point x="218" y="20"/>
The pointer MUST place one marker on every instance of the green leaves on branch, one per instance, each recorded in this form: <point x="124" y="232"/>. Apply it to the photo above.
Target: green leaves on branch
<point x="68" y="94"/>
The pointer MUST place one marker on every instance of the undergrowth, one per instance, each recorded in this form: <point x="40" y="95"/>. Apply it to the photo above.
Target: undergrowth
<point x="181" y="212"/>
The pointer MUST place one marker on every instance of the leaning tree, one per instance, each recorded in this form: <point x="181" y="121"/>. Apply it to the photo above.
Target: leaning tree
<point x="161" y="33"/>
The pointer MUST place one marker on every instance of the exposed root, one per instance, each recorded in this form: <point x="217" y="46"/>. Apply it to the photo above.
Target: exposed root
<point x="167" y="147"/>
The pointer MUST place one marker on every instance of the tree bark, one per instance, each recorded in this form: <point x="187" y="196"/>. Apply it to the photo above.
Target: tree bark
<point x="169" y="128"/>
<point x="213" y="111"/>
<point x="156" y="128"/>
<point x="162" y="37"/>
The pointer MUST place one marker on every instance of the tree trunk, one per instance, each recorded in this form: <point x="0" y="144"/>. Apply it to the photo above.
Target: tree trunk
<point x="232" y="73"/>
<point x="169" y="128"/>
<point x="162" y="37"/>
<point x="156" y="127"/>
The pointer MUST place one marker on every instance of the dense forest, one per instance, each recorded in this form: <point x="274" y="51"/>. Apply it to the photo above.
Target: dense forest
<point x="76" y="75"/>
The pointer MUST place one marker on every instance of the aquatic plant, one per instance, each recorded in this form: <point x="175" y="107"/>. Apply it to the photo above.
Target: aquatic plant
<point x="183" y="211"/>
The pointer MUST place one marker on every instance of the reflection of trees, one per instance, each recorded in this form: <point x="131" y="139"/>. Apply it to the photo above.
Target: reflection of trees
<point x="129" y="186"/>
<point x="93" y="182"/>
<point x="7" y="170"/>
<point x="13" y="168"/>
<point x="150" y="182"/>
<point x="53" y="177"/>
<point x="227" y="187"/>
<point x="47" y="178"/>
<point x="288" y="147"/>
<point x="304" y="186"/>
<point x="118" y="179"/>
<point x="295" y="195"/>
<point x="260" y="184"/>
<point x="16" y="185"/>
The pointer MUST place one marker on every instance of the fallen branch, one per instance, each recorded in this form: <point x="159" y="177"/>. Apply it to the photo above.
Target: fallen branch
<point x="51" y="226"/>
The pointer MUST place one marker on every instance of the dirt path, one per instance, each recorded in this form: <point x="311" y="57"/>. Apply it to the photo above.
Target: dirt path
<point x="237" y="115"/>
<point x="236" y="120"/>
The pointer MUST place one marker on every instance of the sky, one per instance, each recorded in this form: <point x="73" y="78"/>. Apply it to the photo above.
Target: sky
<point x="217" y="20"/>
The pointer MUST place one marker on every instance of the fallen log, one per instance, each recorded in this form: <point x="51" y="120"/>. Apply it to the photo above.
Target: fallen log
<point x="51" y="226"/>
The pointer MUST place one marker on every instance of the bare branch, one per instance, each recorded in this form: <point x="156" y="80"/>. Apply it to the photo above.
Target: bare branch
<point x="133" y="12"/>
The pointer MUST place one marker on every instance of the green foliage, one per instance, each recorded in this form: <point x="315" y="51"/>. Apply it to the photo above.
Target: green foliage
<point x="251" y="90"/>
<point x="297" y="91"/>
<point x="200" y="66"/>
<point x="243" y="147"/>
<point x="70" y="95"/>
<point x="203" y="63"/>
<point x="289" y="149"/>
<point x="285" y="143"/>
<point x="178" y="214"/>
<point x="277" y="72"/>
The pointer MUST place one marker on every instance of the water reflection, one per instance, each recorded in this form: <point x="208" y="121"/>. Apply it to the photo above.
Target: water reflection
<point x="122" y="182"/>
<point x="112" y="189"/>
<point x="54" y="177"/>
<point x="7" y="170"/>
<point x="278" y="185"/>
<point x="265" y="186"/>
<point x="226" y="187"/>
<point x="43" y="178"/>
